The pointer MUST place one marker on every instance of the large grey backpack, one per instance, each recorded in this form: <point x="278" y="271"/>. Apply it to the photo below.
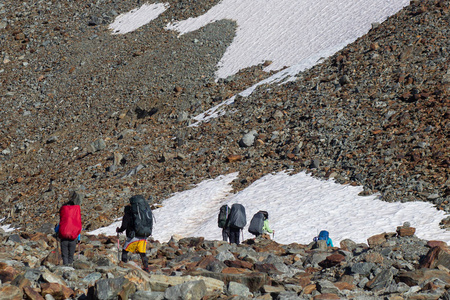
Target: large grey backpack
<point x="256" y="224"/>
<point x="237" y="218"/>
<point x="142" y="216"/>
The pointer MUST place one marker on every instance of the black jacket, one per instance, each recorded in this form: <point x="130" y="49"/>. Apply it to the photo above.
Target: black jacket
<point x="127" y="222"/>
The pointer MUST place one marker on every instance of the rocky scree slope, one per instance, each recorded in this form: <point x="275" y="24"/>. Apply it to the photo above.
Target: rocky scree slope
<point x="108" y="115"/>
<point x="391" y="265"/>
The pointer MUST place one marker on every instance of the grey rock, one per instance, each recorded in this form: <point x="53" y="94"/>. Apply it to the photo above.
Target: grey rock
<point x="188" y="290"/>
<point x="348" y="244"/>
<point x="381" y="280"/>
<point x="314" y="259"/>
<point x="234" y="288"/>
<point x="362" y="283"/>
<point x="108" y="289"/>
<point x="290" y="295"/>
<point x="14" y="238"/>
<point x="225" y="255"/>
<point x="133" y="171"/>
<point x="147" y="295"/>
<point x="362" y="268"/>
<point x="315" y="163"/>
<point x="91" y="278"/>
<point x="248" y="139"/>
<point x="325" y="286"/>
<point x="97" y="145"/>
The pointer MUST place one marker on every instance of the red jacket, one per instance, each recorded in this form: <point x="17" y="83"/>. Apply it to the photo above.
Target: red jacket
<point x="70" y="222"/>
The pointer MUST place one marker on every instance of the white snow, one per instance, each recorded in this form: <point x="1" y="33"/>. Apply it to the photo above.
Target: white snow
<point x="295" y="34"/>
<point x="6" y="228"/>
<point x="286" y="75"/>
<point x="299" y="207"/>
<point x="289" y="32"/>
<point x="138" y="17"/>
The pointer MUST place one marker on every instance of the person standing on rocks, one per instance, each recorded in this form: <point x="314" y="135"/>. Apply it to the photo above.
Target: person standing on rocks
<point x="137" y="223"/>
<point x="222" y="219"/>
<point x="69" y="227"/>
<point x="236" y="222"/>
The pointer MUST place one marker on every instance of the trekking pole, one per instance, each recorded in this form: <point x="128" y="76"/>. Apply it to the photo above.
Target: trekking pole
<point x="58" y="251"/>
<point x="118" y="248"/>
<point x="79" y="252"/>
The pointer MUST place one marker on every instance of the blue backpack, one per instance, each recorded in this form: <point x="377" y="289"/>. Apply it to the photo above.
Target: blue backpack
<point x="323" y="236"/>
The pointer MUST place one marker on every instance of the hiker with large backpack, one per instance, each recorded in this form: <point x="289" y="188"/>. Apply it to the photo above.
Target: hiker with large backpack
<point x="259" y="224"/>
<point x="324" y="236"/>
<point x="137" y="223"/>
<point x="69" y="228"/>
<point x="222" y="218"/>
<point x="236" y="221"/>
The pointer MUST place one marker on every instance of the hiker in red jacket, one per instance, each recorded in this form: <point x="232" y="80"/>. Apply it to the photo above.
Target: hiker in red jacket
<point x="69" y="227"/>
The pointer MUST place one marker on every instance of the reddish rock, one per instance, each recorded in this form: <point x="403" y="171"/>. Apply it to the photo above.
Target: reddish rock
<point x="234" y="158"/>
<point x="32" y="294"/>
<point x="205" y="261"/>
<point x="439" y="244"/>
<point x="265" y="268"/>
<point x="58" y="291"/>
<point x="7" y="273"/>
<point x="240" y="264"/>
<point x="436" y="256"/>
<point x="11" y="292"/>
<point x="309" y="289"/>
<point x="54" y="257"/>
<point x="376" y="240"/>
<point x="374" y="257"/>
<point x="21" y="281"/>
<point x="420" y="276"/>
<point x="332" y="260"/>
<point x="268" y="245"/>
<point x="342" y="285"/>
<point x="406" y="231"/>
<point x="234" y="271"/>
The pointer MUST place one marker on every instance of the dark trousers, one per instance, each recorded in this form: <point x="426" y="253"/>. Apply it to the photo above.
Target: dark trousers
<point x="234" y="235"/>
<point x="68" y="250"/>
<point x="225" y="234"/>
<point x="144" y="258"/>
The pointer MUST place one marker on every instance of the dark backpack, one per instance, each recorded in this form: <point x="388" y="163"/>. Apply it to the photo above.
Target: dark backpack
<point x="237" y="218"/>
<point x="223" y="215"/>
<point x="323" y="235"/>
<point x="257" y="223"/>
<point x="142" y="216"/>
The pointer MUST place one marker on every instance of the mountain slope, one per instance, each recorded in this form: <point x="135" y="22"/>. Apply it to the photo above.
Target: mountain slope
<point x="374" y="114"/>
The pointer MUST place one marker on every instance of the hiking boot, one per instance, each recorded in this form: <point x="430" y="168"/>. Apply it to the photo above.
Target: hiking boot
<point x="146" y="270"/>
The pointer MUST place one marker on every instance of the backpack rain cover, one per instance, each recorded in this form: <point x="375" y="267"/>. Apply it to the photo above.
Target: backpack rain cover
<point x="256" y="224"/>
<point x="70" y="222"/>
<point x="237" y="218"/>
<point x="142" y="216"/>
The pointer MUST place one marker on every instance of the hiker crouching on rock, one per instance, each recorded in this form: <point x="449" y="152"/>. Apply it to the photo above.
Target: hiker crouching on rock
<point x="324" y="236"/>
<point x="137" y="222"/>
<point x="69" y="227"/>
<point x="266" y="229"/>
<point x="259" y="225"/>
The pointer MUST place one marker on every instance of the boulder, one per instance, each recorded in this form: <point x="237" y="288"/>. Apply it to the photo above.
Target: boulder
<point x="418" y="277"/>
<point x="56" y="290"/>
<point x="195" y="289"/>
